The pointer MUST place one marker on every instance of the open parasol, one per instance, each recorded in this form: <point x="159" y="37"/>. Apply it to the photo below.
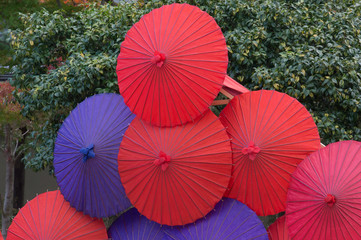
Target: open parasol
<point x="230" y="219"/>
<point x="324" y="196"/>
<point x="132" y="226"/>
<point x="85" y="155"/>
<point x="172" y="65"/>
<point x="271" y="133"/>
<point x="176" y="175"/>
<point x="49" y="216"/>
<point x="278" y="230"/>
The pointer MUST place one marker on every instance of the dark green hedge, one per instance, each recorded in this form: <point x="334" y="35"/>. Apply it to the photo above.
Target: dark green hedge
<point x="310" y="50"/>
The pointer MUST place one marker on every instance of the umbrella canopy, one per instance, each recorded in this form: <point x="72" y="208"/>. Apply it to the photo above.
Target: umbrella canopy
<point x="324" y="196"/>
<point x="49" y="216"/>
<point x="278" y="230"/>
<point x="85" y="155"/>
<point x="230" y="219"/>
<point x="233" y="87"/>
<point x="132" y="226"/>
<point x="271" y="133"/>
<point x="175" y="175"/>
<point x="172" y="64"/>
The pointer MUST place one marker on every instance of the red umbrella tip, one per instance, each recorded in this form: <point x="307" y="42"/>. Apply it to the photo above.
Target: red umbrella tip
<point x="330" y="200"/>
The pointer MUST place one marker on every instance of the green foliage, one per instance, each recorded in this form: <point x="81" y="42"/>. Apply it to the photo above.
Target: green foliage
<point x="309" y="49"/>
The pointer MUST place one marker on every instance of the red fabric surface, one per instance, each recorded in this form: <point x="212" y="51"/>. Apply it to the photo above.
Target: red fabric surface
<point x="175" y="176"/>
<point x="271" y="133"/>
<point x="172" y="65"/>
<point x="324" y="197"/>
<point x="233" y="87"/>
<point x="278" y="230"/>
<point x="49" y="216"/>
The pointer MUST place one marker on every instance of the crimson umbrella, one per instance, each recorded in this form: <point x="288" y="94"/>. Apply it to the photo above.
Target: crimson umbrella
<point x="85" y="155"/>
<point x="172" y="64"/>
<point x="278" y="230"/>
<point x="176" y="175"/>
<point x="271" y="133"/>
<point x="230" y="219"/>
<point x="132" y="226"/>
<point x="49" y="216"/>
<point x="324" y="197"/>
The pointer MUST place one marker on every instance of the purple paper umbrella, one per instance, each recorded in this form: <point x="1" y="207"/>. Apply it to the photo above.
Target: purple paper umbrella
<point x="85" y="155"/>
<point x="132" y="226"/>
<point x="230" y="219"/>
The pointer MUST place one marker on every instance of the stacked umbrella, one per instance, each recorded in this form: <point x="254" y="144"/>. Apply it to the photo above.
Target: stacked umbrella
<point x="158" y="147"/>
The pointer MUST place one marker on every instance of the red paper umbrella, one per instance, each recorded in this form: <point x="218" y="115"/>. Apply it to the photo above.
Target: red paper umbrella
<point x="49" y="216"/>
<point x="324" y="197"/>
<point x="278" y="230"/>
<point x="271" y="133"/>
<point x="175" y="176"/>
<point x="172" y="64"/>
<point x="233" y="87"/>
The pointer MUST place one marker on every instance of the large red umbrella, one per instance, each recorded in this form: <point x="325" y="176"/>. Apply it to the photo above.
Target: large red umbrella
<point x="324" y="197"/>
<point x="49" y="216"/>
<point x="271" y="133"/>
<point x="172" y="64"/>
<point x="278" y="230"/>
<point x="176" y="175"/>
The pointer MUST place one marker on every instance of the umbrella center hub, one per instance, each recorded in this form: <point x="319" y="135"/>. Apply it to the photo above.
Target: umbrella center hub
<point x="330" y="200"/>
<point x="158" y="59"/>
<point x="87" y="152"/>
<point x="163" y="160"/>
<point x="251" y="150"/>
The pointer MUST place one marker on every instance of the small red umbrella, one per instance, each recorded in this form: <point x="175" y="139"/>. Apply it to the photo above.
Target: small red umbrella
<point x="271" y="133"/>
<point x="172" y="65"/>
<point x="233" y="87"/>
<point x="176" y="175"/>
<point x="324" y="197"/>
<point x="278" y="230"/>
<point x="49" y="216"/>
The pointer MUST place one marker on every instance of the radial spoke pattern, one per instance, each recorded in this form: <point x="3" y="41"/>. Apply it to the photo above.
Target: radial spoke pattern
<point x="230" y="219"/>
<point x="278" y="230"/>
<point x="324" y="197"/>
<point x="132" y="226"/>
<point x="175" y="175"/>
<point x="271" y="133"/>
<point x="49" y="216"/>
<point x="172" y="64"/>
<point x="93" y="185"/>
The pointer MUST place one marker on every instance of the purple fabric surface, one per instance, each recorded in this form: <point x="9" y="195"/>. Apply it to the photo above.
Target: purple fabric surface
<point x="132" y="226"/>
<point x="93" y="186"/>
<point x="230" y="219"/>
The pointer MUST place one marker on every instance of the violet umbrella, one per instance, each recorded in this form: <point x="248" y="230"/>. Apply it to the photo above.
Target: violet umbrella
<point x="230" y="219"/>
<point x="132" y="226"/>
<point x="85" y="155"/>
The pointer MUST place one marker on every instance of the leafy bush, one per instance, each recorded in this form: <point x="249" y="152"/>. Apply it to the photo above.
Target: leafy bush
<point x="309" y="49"/>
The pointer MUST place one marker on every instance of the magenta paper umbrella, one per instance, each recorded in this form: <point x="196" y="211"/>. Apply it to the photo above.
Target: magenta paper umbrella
<point x="85" y="155"/>
<point x="278" y="230"/>
<point x="324" y="196"/>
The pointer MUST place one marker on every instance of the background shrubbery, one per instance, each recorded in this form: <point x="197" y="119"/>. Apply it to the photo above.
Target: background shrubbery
<point x="310" y="50"/>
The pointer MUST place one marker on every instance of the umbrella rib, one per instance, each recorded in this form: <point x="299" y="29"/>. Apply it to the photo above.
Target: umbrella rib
<point x="133" y="151"/>
<point x="32" y="216"/>
<point x="210" y="145"/>
<point x="174" y="69"/>
<point x="265" y="128"/>
<point x="199" y="131"/>
<point x="125" y="78"/>
<point x="306" y="185"/>
<point x="237" y="237"/>
<point x="243" y="172"/>
<point x="88" y="233"/>
<point x="176" y="60"/>
<point x="173" y="39"/>
<point x="133" y="168"/>
<point x="211" y="136"/>
<point x="165" y="44"/>
<point x="240" y="138"/>
<point x="74" y="123"/>
<point x="69" y="140"/>
<point x="199" y="53"/>
<point x="147" y="30"/>
<point x="333" y="187"/>
<point x="166" y="102"/>
<point x="199" y="68"/>
<point x="136" y="42"/>
<point x="141" y="35"/>
<point x="22" y="227"/>
<point x="174" y="47"/>
<point x="175" y="52"/>
<point x="258" y="108"/>
<point x="140" y="145"/>
<point x="204" y="170"/>
<point x="318" y="176"/>
<point x="345" y="213"/>
<point x="154" y="147"/>
<point x="191" y="179"/>
<point x="175" y="177"/>
<point x="174" y="160"/>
